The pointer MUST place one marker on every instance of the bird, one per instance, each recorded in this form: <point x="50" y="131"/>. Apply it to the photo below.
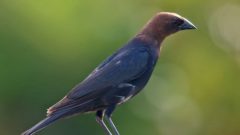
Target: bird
<point x="119" y="77"/>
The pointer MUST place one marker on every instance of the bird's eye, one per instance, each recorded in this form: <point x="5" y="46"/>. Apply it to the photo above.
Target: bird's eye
<point x="178" y="22"/>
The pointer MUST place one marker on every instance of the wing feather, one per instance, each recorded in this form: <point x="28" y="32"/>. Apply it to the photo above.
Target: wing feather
<point x="122" y="67"/>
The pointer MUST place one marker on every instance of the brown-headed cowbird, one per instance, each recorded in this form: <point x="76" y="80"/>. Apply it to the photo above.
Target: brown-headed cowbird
<point x="118" y="78"/>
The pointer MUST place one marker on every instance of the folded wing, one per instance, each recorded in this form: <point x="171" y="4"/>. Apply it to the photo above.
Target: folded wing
<point x="124" y="66"/>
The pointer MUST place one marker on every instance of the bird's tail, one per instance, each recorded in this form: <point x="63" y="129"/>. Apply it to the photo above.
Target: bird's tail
<point x="42" y="124"/>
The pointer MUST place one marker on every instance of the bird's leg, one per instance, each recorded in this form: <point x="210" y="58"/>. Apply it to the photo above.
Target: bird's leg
<point x="108" y="113"/>
<point x="99" y="119"/>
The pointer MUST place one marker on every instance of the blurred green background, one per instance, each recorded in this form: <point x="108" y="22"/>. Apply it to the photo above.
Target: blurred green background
<point x="48" y="46"/>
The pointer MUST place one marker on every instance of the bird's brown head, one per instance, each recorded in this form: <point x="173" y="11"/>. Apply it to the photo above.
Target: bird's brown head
<point x="164" y="24"/>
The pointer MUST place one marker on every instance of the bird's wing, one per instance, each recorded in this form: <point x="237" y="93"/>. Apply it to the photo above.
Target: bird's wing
<point x="124" y="66"/>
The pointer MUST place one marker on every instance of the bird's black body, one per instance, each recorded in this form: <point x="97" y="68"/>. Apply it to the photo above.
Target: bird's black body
<point x="119" y="77"/>
<point x="114" y="81"/>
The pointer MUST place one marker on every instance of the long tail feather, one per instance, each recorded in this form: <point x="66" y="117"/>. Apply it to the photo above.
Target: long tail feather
<point x="42" y="124"/>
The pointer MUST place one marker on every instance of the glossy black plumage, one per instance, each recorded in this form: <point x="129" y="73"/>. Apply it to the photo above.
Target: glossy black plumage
<point x="128" y="65"/>
<point x="119" y="77"/>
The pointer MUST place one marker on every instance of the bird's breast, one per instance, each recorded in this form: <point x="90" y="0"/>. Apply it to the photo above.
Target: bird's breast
<point x="142" y="80"/>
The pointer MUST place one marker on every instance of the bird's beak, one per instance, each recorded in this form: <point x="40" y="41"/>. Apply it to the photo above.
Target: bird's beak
<point x="187" y="25"/>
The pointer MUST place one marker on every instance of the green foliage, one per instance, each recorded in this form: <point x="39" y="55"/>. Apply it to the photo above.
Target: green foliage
<point x="47" y="47"/>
